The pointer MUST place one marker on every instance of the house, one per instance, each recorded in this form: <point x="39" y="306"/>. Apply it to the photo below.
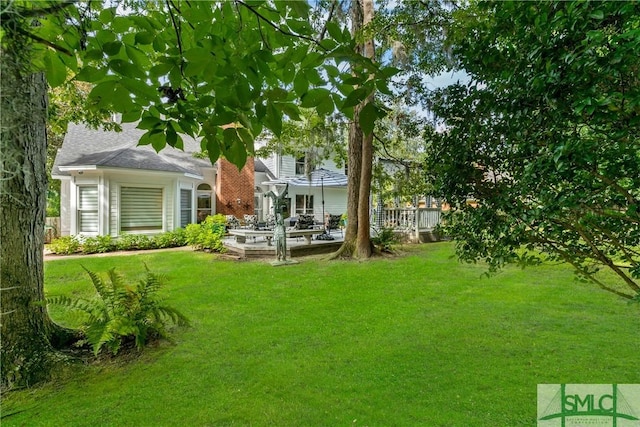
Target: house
<point x="312" y="189"/>
<point x="112" y="186"/>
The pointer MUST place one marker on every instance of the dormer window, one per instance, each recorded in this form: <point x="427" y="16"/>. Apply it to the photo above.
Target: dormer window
<point x="304" y="165"/>
<point x="300" y="165"/>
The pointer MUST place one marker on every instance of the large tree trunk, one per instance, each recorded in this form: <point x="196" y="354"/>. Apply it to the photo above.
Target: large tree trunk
<point x="357" y="241"/>
<point x="364" y="248"/>
<point x="27" y="355"/>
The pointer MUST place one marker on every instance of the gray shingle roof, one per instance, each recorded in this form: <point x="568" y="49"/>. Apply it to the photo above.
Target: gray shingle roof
<point x="83" y="146"/>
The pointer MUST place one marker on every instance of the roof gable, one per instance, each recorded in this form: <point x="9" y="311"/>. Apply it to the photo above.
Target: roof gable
<point x="96" y="148"/>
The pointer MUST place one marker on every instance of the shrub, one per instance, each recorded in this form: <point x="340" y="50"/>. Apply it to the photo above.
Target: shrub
<point x="122" y="313"/>
<point x="130" y="242"/>
<point x="98" y="244"/>
<point x="385" y="240"/>
<point x="170" y="239"/>
<point x="208" y="234"/>
<point x="66" y="245"/>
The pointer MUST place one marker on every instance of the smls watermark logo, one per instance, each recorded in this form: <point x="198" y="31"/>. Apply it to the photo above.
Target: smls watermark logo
<point x="574" y="405"/>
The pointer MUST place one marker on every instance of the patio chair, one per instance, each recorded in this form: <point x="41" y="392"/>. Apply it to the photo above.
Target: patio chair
<point x="232" y="222"/>
<point x="271" y="221"/>
<point x="333" y="223"/>
<point x="305" y="222"/>
<point x="251" y="222"/>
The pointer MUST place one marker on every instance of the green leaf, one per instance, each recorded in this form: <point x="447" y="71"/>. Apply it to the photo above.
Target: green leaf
<point x="332" y="70"/>
<point x="141" y="90"/>
<point x="121" y="99"/>
<point x="107" y="15"/>
<point x="301" y="8"/>
<point x="213" y="147"/>
<point x="55" y="69"/>
<point x="314" y="97"/>
<point x="234" y="149"/>
<point x="247" y="139"/>
<point x="131" y="116"/>
<point x="138" y="58"/>
<point x="112" y="48"/>
<point x="273" y="119"/>
<point x="144" y="37"/>
<point x="126" y="69"/>
<point x="382" y="86"/>
<point x="149" y="122"/>
<point x="300" y="84"/>
<point x="326" y="107"/>
<point x="367" y="118"/>
<point x="356" y="97"/>
<point x="334" y="31"/>
<point x="387" y="72"/>
<point x="291" y="110"/>
<point x="91" y="74"/>
<point x="103" y="92"/>
<point x="155" y="137"/>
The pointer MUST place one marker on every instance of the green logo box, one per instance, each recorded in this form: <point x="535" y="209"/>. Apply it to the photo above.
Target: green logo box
<point x="588" y="405"/>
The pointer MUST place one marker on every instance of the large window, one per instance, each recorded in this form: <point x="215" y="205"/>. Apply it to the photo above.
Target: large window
<point x="204" y="202"/>
<point x="185" y="207"/>
<point x="88" y="209"/>
<point x="140" y="209"/>
<point x="300" y="165"/>
<point x="304" y="204"/>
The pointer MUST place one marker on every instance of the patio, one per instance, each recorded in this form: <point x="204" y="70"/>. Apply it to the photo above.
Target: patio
<point x="258" y="247"/>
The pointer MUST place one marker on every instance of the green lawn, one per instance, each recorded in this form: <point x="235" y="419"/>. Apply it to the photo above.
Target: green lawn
<point x="418" y="340"/>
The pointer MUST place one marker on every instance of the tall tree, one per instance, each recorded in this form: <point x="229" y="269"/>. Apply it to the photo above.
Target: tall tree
<point x="357" y="241"/>
<point x="26" y="351"/>
<point x="545" y="137"/>
<point x="178" y="67"/>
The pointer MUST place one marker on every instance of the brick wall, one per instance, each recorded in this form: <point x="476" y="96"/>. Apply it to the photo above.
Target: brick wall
<point x="232" y="185"/>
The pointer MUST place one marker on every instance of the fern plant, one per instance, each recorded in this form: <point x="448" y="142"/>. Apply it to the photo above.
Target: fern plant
<point x="120" y="313"/>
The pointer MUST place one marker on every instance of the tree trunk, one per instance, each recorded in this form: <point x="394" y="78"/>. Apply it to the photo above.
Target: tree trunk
<point x="357" y="241"/>
<point x="27" y="355"/>
<point x="364" y="248"/>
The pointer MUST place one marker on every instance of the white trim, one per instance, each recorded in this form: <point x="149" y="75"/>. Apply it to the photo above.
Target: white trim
<point x="128" y="171"/>
<point x="78" y="168"/>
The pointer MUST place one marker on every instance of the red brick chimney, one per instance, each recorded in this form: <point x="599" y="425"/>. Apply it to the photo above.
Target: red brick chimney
<point x="235" y="189"/>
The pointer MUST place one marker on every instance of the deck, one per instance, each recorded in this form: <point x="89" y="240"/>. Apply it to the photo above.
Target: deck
<point x="259" y="246"/>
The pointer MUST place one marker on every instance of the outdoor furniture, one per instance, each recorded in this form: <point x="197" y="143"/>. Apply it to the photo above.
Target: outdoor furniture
<point x="270" y="222"/>
<point x="232" y="222"/>
<point x="333" y="223"/>
<point x="242" y="234"/>
<point x="251" y="222"/>
<point x="305" y="222"/>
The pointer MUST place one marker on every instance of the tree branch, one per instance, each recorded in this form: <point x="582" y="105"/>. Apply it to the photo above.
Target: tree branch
<point x="276" y="27"/>
<point x="30" y="13"/>
<point x="43" y="41"/>
<point x="324" y="28"/>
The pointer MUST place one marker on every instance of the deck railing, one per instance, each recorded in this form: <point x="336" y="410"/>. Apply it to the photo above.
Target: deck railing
<point x="407" y="220"/>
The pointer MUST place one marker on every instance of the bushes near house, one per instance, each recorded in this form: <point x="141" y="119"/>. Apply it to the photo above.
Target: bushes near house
<point x="98" y="244"/>
<point x="208" y="234"/>
<point x="122" y="314"/>
<point x="67" y="245"/>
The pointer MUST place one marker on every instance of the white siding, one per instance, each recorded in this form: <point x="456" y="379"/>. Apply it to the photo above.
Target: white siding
<point x="65" y="207"/>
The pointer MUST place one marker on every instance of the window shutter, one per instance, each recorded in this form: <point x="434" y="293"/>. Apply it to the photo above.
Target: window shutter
<point x="140" y="209"/>
<point x="185" y="207"/>
<point x="88" y="209"/>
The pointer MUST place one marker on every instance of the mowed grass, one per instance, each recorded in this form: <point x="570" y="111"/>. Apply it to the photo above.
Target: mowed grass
<point x="415" y="340"/>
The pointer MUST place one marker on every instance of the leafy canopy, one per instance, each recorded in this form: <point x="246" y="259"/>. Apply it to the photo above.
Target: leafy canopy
<point x="224" y="71"/>
<point x="546" y="137"/>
